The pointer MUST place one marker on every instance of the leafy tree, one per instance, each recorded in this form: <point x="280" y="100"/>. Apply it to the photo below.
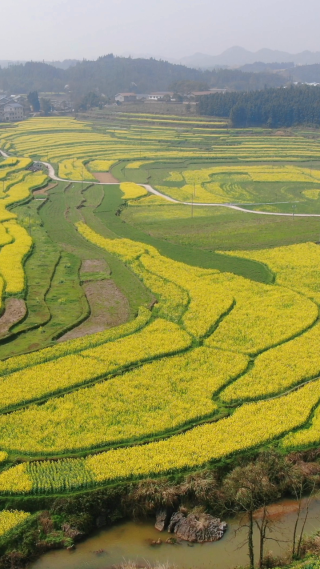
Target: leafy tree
<point x="46" y="106"/>
<point x="89" y="101"/>
<point x="187" y="86"/>
<point x="33" y="99"/>
<point x="274" y="108"/>
<point x="177" y="97"/>
<point x="253" y="487"/>
<point x="238" y="116"/>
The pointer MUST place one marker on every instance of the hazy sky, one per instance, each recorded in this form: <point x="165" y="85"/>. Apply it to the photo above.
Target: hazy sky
<point x="60" y="29"/>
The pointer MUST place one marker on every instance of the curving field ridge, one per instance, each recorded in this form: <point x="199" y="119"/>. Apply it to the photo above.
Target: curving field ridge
<point x="219" y="354"/>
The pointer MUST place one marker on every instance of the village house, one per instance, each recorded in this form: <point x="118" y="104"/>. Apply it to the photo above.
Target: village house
<point x="4" y="100"/>
<point x="125" y="97"/>
<point x="159" y="96"/>
<point x="13" y="112"/>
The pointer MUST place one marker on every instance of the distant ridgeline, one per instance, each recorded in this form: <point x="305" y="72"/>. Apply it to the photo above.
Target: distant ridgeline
<point x="273" y="108"/>
<point x="111" y="75"/>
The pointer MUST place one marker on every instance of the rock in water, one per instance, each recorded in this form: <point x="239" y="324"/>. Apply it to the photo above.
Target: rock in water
<point x="196" y="528"/>
<point x="162" y="519"/>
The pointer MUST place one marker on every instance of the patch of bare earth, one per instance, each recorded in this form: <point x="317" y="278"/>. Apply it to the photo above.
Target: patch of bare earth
<point x="109" y="308"/>
<point x="44" y="191"/>
<point x="105" y="178"/>
<point x="15" y="310"/>
<point x="94" y="266"/>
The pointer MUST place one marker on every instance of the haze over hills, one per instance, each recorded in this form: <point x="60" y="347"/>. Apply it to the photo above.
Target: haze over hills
<point x="109" y="75"/>
<point x="237" y="56"/>
<point x="233" y="57"/>
<point x="65" y="64"/>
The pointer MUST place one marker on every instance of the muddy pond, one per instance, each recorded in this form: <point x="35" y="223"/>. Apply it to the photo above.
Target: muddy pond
<point x="131" y="541"/>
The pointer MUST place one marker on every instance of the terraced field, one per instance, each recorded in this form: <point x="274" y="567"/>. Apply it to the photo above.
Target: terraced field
<point x="219" y="351"/>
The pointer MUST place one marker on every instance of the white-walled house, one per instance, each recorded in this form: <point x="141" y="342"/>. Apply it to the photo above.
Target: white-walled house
<point x="13" y="112"/>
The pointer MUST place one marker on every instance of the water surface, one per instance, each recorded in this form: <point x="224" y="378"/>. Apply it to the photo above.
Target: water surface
<point x="131" y="541"/>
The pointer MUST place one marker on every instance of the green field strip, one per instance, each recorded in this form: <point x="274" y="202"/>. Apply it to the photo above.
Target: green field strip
<point x="188" y="255"/>
<point x="66" y="236"/>
<point x="67" y="306"/>
<point x="39" y="267"/>
<point x="66" y="300"/>
<point x="219" y="228"/>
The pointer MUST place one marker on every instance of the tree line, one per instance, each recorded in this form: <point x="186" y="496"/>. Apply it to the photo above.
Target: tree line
<point x="282" y="107"/>
<point x="110" y="75"/>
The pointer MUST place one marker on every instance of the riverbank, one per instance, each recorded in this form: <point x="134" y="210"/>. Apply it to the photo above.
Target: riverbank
<point x="133" y="541"/>
<point x="59" y="522"/>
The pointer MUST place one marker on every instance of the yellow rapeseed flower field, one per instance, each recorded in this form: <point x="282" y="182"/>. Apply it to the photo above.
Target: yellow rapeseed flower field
<point x="211" y="339"/>
<point x="34" y="382"/>
<point x="10" y="519"/>
<point x="131" y="191"/>
<point x="249" y="426"/>
<point x="101" y="165"/>
<point x="150" y="400"/>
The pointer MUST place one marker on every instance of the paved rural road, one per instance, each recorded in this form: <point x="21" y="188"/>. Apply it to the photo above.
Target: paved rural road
<point x="150" y="189"/>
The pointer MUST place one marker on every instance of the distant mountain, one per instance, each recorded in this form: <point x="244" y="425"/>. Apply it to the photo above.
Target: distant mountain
<point x="237" y="56"/>
<point x="109" y="75"/>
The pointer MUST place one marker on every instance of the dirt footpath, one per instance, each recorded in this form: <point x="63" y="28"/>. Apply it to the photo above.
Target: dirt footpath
<point x="105" y="178"/>
<point x="109" y="308"/>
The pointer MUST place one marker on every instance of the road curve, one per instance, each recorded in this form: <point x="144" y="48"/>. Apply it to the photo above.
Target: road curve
<point x="151" y="190"/>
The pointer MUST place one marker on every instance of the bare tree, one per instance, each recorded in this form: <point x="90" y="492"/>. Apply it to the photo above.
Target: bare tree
<point x="303" y="489"/>
<point x="248" y="489"/>
<point x="252" y="488"/>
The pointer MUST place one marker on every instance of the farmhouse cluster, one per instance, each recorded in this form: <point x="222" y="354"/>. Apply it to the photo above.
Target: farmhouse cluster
<point x="165" y="96"/>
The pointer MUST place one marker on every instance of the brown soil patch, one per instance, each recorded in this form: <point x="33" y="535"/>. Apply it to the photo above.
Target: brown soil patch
<point x="283" y="133"/>
<point x="43" y="191"/>
<point x="94" y="266"/>
<point x="109" y="308"/>
<point x="34" y="346"/>
<point x="105" y="178"/>
<point x="15" y="310"/>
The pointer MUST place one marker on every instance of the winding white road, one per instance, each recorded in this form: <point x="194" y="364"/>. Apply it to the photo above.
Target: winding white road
<point x="53" y="176"/>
